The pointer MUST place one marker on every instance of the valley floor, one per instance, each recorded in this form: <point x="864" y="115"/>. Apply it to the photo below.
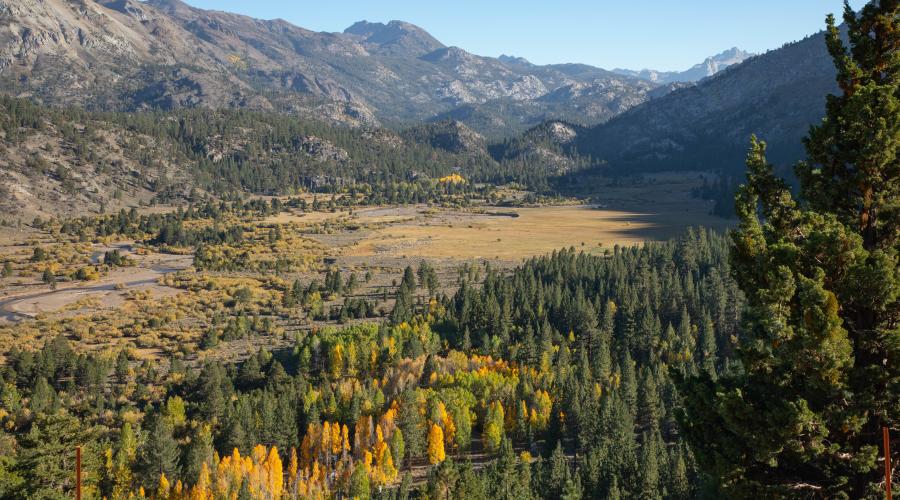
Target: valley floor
<point x="378" y="242"/>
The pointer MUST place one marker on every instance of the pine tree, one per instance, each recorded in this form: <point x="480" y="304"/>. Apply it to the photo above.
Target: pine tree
<point x="46" y="457"/>
<point x="572" y="490"/>
<point x="403" y="306"/>
<point x="48" y="277"/>
<point x="398" y="447"/>
<point x="199" y="452"/>
<point x="706" y="347"/>
<point x="650" y="468"/>
<point x="359" y="483"/>
<point x="557" y="473"/>
<point x="822" y="283"/>
<point x="443" y="480"/>
<point x="159" y="455"/>
<point x="680" y="487"/>
<point x="413" y="424"/>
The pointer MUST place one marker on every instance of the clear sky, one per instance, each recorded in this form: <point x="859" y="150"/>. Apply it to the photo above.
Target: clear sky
<point x="635" y="34"/>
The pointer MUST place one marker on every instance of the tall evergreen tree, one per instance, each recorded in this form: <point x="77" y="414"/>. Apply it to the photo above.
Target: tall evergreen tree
<point x="159" y="455"/>
<point x="822" y="326"/>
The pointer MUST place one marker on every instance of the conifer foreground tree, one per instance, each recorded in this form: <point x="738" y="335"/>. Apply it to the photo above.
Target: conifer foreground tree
<point x="821" y="333"/>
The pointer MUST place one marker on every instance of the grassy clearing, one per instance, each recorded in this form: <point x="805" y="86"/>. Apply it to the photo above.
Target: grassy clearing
<point x="534" y="231"/>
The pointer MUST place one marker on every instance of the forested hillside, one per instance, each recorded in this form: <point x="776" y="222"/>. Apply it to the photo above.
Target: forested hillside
<point x="60" y="157"/>
<point x="776" y="95"/>
<point x="563" y="369"/>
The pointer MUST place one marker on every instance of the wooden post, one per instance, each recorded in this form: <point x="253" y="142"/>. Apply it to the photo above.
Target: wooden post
<point x="78" y="473"/>
<point x="887" y="462"/>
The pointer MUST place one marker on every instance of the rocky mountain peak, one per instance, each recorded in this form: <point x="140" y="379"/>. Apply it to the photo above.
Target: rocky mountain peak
<point x="450" y="135"/>
<point x="561" y="133"/>
<point x="709" y="67"/>
<point x="514" y="60"/>
<point x="720" y="61"/>
<point x="395" y="36"/>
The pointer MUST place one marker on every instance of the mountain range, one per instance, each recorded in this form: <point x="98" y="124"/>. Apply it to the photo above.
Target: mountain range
<point x="165" y="54"/>
<point x="394" y="81"/>
<point x="709" y="67"/>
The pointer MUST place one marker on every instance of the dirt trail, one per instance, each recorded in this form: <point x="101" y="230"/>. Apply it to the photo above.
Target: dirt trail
<point x="144" y="275"/>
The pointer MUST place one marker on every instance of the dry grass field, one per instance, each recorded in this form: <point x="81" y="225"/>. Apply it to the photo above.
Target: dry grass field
<point x="520" y="233"/>
<point x="628" y="215"/>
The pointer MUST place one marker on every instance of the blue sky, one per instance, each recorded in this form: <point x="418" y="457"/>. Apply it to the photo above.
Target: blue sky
<point x="636" y="34"/>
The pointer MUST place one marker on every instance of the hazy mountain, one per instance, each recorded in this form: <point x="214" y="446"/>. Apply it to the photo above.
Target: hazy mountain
<point x="697" y="72"/>
<point x="394" y="38"/>
<point x="127" y="54"/>
<point x="514" y="60"/>
<point x="776" y="96"/>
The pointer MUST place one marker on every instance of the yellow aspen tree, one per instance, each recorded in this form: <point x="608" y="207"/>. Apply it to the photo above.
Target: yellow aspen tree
<point x="493" y="426"/>
<point x="307" y="452"/>
<point x="316" y="472"/>
<point x="258" y="454"/>
<point x="545" y="408"/>
<point x="361" y="434"/>
<point x="388" y="419"/>
<point x="522" y="415"/>
<point x="392" y="348"/>
<point x="448" y="426"/>
<point x="336" y="440"/>
<point x="223" y="477"/>
<point x="337" y="361"/>
<point x="379" y="435"/>
<point x="376" y="474"/>
<point x="373" y="358"/>
<point x="201" y="490"/>
<point x="275" y="472"/>
<point x="435" y="445"/>
<point x="292" y="469"/>
<point x="162" y="491"/>
<point x="301" y="488"/>
<point x="352" y="360"/>
<point x="384" y="461"/>
<point x="325" y="448"/>
<point x="345" y="441"/>
<point x="533" y="419"/>
<point x="255" y="472"/>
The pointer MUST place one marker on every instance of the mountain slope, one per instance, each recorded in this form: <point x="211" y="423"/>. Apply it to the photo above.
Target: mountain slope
<point x="131" y="55"/>
<point x="66" y="160"/>
<point x="707" y="126"/>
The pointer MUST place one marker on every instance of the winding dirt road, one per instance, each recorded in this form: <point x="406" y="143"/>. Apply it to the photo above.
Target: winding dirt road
<point x="145" y="274"/>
